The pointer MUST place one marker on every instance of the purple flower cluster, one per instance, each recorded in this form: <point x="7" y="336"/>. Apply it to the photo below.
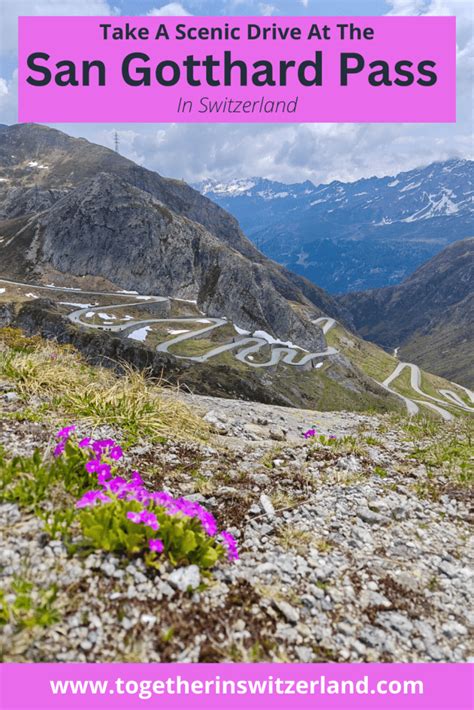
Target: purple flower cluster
<point x="63" y="435"/>
<point x="144" y="518"/>
<point x="311" y="433"/>
<point x="231" y="545"/>
<point x="156" y="545"/>
<point x="134" y="490"/>
<point x="91" y="498"/>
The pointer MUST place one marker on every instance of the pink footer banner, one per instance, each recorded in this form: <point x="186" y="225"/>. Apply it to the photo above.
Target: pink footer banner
<point x="378" y="686"/>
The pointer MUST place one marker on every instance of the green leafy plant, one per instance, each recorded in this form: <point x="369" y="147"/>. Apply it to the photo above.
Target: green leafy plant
<point x="117" y="527"/>
<point x="29" y="606"/>
<point x="24" y="480"/>
<point x="57" y="523"/>
<point x="28" y="480"/>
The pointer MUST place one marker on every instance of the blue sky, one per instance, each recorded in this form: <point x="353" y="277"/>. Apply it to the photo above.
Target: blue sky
<point x="287" y="152"/>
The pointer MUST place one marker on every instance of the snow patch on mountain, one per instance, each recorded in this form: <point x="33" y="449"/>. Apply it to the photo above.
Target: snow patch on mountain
<point x="233" y="188"/>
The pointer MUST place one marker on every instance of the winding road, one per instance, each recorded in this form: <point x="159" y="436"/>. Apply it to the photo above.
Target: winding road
<point x="279" y="353"/>
<point x="245" y="346"/>
<point x="415" y="383"/>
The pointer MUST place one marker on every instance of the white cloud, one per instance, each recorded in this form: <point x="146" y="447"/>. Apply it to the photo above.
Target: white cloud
<point x="13" y="8"/>
<point x="267" y="10"/>
<point x="3" y="88"/>
<point x="462" y="10"/>
<point x="287" y="152"/>
<point x="406" y="7"/>
<point x="170" y="10"/>
<point x="8" y="99"/>
<point x="290" y="153"/>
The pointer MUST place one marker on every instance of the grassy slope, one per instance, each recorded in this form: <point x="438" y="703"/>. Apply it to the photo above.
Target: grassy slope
<point x="74" y="390"/>
<point x="318" y="389"/>
<point x="379" y="364"/>
<point x="454" y="358"/>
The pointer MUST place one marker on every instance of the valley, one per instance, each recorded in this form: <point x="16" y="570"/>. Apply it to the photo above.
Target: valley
<point x="205" y="457"/>
<point x="185" y="331"/>
<point x="353" y="236"/>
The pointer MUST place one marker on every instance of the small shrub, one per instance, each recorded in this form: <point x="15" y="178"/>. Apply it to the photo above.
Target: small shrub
<point x="57" y="523"/>
<point x="123" y="516"/>
<point x="292" y="537"/>
<point x="14" y="339"/>
<point x="28" y="481"/>
<point x="125" y="526"/>
<point x="312" y="436"/>
<point x="29" y="606"/>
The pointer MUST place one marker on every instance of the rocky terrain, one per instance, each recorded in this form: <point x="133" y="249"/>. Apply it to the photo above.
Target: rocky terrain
<point x="74" y="215"/>
<point x="353" y="546"/>
<point x="354" y="236"/>
<point x="429" y="317"/>
<point x="134" y="229"/>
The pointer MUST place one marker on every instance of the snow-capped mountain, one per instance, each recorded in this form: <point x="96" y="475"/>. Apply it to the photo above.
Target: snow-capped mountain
<point x="348" y="236"/>
<point x="255" y="187"/>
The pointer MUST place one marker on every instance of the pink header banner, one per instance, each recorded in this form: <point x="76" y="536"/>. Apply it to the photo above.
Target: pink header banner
<point x="377" y="686"/>
<point x="237" y="69"/>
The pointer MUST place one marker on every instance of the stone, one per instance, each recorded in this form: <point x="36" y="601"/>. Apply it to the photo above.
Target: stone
<point x="370" y="598"/>
<point x="289" y="612"/>
<point x="368" y="516"/>
<point x="452" y="629"/>
<point x="305" y="654"/>
<point x="277" y="434"/>
<point x="195" y="498"/>
<point x="185" y="578"/>
<point x="108" y="568"/>
<point x="434" y="652"/>
<point x="350" y="464"/>
<point x="394" y="620"/>
<point x="448" y="569"/>
<point x="11" y="397"/>
<point x="267" y="505"/>
<point x="260" y="478"/>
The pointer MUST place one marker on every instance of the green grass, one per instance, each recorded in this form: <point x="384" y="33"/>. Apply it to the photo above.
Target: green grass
<point x="378" y="364"/>
<point x="194" y="347"/>
<point x="132" y="402"/>
<point x="446" y="449"/>
<point x="371" y="359"/>
<point x="28" y="605"/>
<point x="451" y="454"/>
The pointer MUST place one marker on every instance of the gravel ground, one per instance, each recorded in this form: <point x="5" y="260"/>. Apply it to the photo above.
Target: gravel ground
<point x="340" y="559"/>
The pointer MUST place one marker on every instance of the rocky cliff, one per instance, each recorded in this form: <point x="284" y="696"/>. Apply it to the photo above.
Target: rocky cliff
<point x="73" y="208"/>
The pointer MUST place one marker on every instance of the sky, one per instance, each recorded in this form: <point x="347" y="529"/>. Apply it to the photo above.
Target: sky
<point x="285" y="152"/>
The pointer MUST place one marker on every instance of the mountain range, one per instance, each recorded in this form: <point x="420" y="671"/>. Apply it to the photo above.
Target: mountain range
<point x="429" y="318"/>
<point x="75" y="215"/>
<point x="354" y="236"/>
<point x="138" y="230"/>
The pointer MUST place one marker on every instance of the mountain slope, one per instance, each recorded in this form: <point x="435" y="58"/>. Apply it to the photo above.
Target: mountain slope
<point x="353" y="236"/>
<point x="183" y="244"/>
<point x="39" y="165"/>
<point x="78" y="216"/>
<point x="429" y="317"/>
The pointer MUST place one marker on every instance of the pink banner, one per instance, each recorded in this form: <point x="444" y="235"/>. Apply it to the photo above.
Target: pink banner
<point x="237" y="69"/>
<point x="377" y="686"/>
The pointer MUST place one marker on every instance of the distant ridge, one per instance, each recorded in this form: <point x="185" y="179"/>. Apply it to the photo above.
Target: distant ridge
<point x="352" y="236"/>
